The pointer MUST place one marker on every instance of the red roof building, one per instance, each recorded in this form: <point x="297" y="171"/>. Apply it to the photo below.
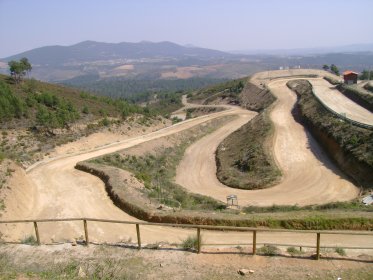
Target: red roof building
<point x="350" y="77"/>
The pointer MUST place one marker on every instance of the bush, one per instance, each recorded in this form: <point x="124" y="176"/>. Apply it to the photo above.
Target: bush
<point x="340" y="251"/>
<point x="85" y="110"/>
<point x="10" y="105"/>
<point x="191" y="243"/>
<point x="268" y="250"/>
<point x="293" y="251"/>
<point x="29" y="240"/>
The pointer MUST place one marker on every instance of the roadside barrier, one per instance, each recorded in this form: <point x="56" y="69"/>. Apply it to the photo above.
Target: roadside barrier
<point x="199" y="229"/>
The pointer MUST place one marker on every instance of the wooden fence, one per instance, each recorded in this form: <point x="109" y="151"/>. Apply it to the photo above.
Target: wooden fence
<point x="199" y="228"/>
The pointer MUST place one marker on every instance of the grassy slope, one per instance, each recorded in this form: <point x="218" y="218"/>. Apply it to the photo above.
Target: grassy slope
<point x="36" y="116"/>
<point x="97" y="106"/>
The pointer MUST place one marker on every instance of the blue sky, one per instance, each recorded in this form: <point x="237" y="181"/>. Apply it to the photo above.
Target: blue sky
<point x="217" y="24"/>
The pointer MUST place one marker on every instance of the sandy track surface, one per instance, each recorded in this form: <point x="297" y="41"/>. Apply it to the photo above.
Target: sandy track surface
<point x="309" y="176"/>
<point x="60" y="191"/>
<point x="339" y="103"/>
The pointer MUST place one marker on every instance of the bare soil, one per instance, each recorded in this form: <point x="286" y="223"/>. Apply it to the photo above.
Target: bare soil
<point x="67" y="262"/>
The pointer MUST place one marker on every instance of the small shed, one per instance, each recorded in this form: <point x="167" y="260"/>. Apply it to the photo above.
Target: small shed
<point x="350" y="77"/>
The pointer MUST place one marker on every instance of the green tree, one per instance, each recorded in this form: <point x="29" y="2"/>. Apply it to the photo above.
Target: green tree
<point x="18" y="69"/>
<point x="325" y="67"/>
<point x="334" y="69"/>
<point x="366" y="75"/>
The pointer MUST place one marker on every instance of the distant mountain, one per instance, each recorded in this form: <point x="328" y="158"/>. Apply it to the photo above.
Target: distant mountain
<point x="90" y="51"/>
<point x="145" y="59"/>
<point x="90" y="61"/>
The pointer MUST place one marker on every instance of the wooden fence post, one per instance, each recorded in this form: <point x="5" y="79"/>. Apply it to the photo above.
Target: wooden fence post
<point x="37" y="233"/>
<point x="198" y="240"/>
<point x="86" y="232"/>
<point x="138" y="236"/>
<point x="254" y="242"/>
<point x="318" y="246"/>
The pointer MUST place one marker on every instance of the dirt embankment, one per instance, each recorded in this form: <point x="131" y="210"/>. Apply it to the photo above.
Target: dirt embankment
<point x="254" y="98"/>
<point x="348" y="145"/>
<point x="244" y="159"/>
<point x="126" y="194"/>
<point x="363" y="99"/>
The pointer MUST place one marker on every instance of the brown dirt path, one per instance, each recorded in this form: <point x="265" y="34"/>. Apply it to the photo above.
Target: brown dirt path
<point x="309" y="176"/>
<point x="339" y="103"/>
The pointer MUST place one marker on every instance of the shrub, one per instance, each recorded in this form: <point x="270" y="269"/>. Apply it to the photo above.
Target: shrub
<point x="190" y="243"/>
<point x="268" y="250"/>
<point x="29" y="240"/>
<point x="85" y="110"/>
<point x="340" y="251"/>
<point x="293" y="251"/>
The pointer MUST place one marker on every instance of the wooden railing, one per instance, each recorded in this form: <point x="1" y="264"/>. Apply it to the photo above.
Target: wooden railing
<point x="199" y="228"/>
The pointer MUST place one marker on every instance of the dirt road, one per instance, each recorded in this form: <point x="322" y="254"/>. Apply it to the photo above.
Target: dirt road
<point x="339" y="103"/>
<point x="309" y="176"/>
<point x="63" y="192"/>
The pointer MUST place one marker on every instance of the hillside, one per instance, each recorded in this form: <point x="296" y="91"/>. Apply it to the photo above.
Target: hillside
<point x="36" y="116"/>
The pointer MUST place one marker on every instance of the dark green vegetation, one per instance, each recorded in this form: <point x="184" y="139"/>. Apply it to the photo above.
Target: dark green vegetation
<point x="369" y="86"/>
<point x="165" y="103"/>
<point x="157" y="171"/>
<point x="350" y="146"/>
<point x="243" y="158"/>
<point x="137" y="90"/>
<point x="334" y="69"/>
<point x="366" y="75"/>
<point x="358" y="95"/>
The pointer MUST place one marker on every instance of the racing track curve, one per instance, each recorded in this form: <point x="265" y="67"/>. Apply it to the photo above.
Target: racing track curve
<point x="309" y="177"/>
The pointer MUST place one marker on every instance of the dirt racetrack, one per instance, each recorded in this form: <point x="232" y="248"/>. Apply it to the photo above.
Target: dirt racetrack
<point x="63" y="192"/>
<point x="339" y="103"/>
<point x="309" y="176"/>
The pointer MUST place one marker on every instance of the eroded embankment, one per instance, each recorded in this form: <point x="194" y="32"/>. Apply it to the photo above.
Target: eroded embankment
<point x="348" y="145"/>
<point x="138" y="206"/>
<point x="356" y="95"/>
<point x="244" y="158"/>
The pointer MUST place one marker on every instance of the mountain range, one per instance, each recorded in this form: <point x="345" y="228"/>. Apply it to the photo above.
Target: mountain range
<point x="93" y="61"/>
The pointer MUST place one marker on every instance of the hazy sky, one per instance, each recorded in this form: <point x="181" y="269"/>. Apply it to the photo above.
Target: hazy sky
<point x="217" y="24"/>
